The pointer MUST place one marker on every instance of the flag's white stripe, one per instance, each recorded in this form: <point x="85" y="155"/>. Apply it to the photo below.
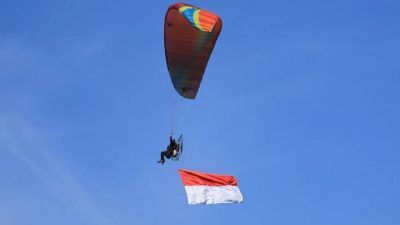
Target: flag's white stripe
<point x="213" y="194"/>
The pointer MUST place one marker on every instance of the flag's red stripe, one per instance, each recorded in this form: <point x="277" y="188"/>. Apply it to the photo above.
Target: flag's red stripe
<point x="192" y="178"/>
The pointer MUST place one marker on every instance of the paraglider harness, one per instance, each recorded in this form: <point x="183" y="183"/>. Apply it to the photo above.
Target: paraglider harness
<point x="173" y="151"/>
<point x="177" y="151"/>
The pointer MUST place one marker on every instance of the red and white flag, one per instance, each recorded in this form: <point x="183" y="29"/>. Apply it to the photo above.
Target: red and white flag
<point x="206" y="188"/>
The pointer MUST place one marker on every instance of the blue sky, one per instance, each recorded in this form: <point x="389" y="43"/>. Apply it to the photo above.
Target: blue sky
<point x="300" y="101"/>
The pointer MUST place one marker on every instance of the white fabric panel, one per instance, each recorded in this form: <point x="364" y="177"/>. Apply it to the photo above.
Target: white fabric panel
<point x="213" y="194"/>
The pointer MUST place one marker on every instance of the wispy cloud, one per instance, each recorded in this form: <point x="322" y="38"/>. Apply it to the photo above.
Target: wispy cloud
<point x="23" y="142"/>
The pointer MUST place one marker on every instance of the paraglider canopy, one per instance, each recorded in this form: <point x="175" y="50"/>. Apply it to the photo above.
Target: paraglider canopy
<point x="190" y="34"/>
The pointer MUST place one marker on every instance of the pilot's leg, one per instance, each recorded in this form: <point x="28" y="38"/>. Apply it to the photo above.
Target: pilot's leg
<point x="162" y="157"/>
